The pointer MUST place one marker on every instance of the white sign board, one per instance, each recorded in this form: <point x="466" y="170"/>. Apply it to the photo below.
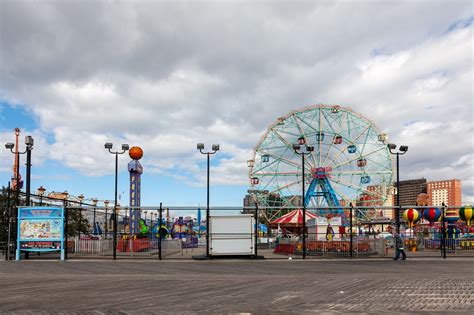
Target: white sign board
<point x="232" y="235"/>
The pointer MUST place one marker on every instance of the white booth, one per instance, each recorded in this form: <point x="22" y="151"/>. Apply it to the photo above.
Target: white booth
<point x="232" y="235"/>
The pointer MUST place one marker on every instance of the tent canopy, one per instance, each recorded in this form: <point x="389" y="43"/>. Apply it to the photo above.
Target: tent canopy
<point x="293" y="218"/>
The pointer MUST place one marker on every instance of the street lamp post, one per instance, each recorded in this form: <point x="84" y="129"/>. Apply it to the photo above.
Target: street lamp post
<point x="41" y="191"/>
<point x="402" y="150"/>
<point x="29" y="147"/>
<point x="81" y="198"/>
<point x="94" y="203"/>
<point x="106" y="203"/>
<point x="215" y="148"/>
<point x="298" y="150"/>
<point x="125" y="148"/>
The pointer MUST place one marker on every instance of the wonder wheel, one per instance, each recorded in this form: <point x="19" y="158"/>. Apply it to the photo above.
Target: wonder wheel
<point x="347" y="161"/>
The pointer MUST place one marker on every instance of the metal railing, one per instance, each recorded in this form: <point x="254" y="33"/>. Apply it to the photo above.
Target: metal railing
<point x="185" y="237"/>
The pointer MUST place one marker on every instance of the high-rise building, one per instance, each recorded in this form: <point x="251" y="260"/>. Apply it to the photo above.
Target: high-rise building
<point x="447" y="191"/>
<point x="409" y="191"/>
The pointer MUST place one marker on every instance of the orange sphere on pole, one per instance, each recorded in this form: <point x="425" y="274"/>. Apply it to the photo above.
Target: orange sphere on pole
<point x="135" y="153"/>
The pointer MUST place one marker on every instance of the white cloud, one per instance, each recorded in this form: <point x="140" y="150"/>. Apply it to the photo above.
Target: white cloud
<point x="166" y="76"/>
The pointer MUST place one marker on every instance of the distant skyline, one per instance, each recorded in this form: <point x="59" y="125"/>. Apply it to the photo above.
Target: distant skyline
<point x="167" y="75"/>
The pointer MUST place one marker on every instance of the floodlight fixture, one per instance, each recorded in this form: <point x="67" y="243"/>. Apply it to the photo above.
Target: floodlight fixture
<point x="403" y="148"/>
<point x="29" y="141"/>
<point x="301" y="140"/>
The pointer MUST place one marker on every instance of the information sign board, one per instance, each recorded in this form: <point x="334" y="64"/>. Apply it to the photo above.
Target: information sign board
<point x="41" y="229"/>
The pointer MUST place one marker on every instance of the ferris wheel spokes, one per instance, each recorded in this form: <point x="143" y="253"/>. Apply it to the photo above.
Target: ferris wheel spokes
<point x="305" y="138"/>
<point x="358" y="157"/>
<point x="357" y="188"/>
<point x="343" y="140"/>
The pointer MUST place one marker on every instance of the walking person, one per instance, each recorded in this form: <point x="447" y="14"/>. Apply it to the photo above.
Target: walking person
<point x="399" y="247"/>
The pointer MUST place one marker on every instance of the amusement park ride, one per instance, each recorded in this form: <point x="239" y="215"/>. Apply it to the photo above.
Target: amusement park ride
<point x="348" y="153"/>
<point x="140" y="235"/>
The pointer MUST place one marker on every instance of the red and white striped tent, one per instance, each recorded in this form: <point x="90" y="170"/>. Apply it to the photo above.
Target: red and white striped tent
<point x="293" y="218"/>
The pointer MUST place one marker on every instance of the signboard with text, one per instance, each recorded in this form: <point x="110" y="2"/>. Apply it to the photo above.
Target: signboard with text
<point x="41" y="229"/>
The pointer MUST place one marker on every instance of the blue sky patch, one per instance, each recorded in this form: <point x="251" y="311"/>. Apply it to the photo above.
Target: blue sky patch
<point x="12" y="116"/>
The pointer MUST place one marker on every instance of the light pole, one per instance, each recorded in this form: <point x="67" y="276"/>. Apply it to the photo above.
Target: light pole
<point x="29" y="147"/>
<point x="125" y="148"/>
<point x="81" y="198"/>
<point x="94" y="203"/>
<point x="215" y="148"/>
<point x="106" y="203"/>
<point x="145" y="212"/>
<point x="298" y="150"/>
<point x="401" y="150"/>
<point x="41" y="191"/>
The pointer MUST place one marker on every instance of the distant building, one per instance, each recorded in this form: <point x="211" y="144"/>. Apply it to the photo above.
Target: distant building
<point x="447" y="191"/>
<point x="409" y="191"/>
<point x="249" y="201"/>
<point x="374" y="197"/>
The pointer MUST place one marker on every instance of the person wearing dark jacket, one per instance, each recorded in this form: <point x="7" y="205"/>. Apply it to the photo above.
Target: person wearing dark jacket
<point x="399" y="247"/>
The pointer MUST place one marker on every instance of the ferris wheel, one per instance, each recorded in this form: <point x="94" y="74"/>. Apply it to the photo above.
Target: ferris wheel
<point x="347" y="160"/>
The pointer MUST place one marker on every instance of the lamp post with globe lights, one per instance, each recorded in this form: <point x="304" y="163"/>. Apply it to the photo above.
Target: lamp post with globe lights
<point x="40" y="192"/>
<point x="94" y="203"/>
<point x="215" y="148"/>
<point x="81" y="199"/>
<point x="106" y="204"/>
<point x="125" y="148"/>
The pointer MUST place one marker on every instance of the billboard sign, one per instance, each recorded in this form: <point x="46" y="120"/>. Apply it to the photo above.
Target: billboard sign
<point x="41" y="229"/>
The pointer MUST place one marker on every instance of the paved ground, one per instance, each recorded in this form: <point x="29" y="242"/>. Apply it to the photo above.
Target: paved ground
<point x="145" y="286"/>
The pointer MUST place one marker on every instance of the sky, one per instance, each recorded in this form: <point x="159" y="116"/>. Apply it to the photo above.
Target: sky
<point x="165" y="75"/>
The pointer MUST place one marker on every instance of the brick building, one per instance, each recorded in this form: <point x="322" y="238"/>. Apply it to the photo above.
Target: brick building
<point x="447" y="191"/>
<point x="373" y="198"/>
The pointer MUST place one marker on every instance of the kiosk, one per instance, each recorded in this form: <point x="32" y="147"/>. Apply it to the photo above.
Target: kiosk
<point x="232" y="235"/>
<point x="41" y="229"/>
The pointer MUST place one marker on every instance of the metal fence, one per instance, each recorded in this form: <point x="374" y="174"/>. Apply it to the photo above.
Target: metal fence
<point x="128" y="248"/>
<point x="176" y="233"/>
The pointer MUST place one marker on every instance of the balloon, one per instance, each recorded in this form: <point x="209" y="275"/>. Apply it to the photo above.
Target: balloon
<point x="432" y="214"/>
<point x="451" y="215"/>
<point x="411" y="216"/>
<point x="466" y="214"/>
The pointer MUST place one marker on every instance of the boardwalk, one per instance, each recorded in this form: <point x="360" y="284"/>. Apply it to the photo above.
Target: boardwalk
<point x="146" y="286"/>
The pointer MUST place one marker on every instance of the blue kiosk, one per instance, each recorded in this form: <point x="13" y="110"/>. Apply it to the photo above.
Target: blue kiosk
<point x="40" y="229"/>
